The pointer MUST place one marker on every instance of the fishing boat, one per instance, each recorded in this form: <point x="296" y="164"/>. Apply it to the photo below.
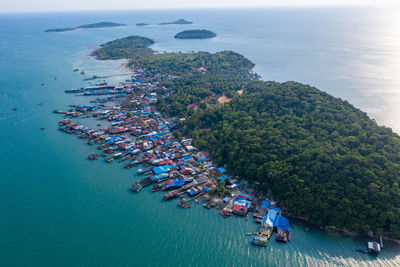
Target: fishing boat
<point x="93" y="156"/>
<point x="171" y="195"/>
<point x="225" y="213"/>
<point x="124" y="158"/>
<point x="362" y="250"/>
<point x="110" y="159"/>
<point x="156" y="187"/>
<point x="136" y="187"/>
<point x="143" y="171"/>
<point x="374" y="247"/>
<point x="207" y="205"/>
<point x="59" y="111"/>
<point x="146" y="181"/>
<point x="259" y="241"/>
<point x="283" y="229"/>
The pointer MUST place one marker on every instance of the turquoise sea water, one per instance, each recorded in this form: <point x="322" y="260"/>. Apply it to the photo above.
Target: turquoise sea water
<point x="59" y="209"/>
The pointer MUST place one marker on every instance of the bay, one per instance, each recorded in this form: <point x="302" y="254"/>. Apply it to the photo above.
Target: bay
<point x="58" y="209"/>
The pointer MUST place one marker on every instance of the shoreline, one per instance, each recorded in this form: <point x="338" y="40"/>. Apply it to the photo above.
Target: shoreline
<point x="332" y="229"/>
<point x="341" y="230"/>
<point x="202" y="170"/>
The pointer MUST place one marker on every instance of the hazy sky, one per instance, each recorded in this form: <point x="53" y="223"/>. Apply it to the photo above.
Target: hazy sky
<point x="66" y="5"/>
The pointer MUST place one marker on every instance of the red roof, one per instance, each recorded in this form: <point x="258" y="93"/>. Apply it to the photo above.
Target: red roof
<point x="168" y="161"/>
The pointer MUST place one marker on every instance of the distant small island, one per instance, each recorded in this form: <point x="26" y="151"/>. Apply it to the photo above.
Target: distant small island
<point x="142" y="24"/>
<point x="195" y="34"/>
<point x="87" y="26"/>
<point x="179" y="21"/>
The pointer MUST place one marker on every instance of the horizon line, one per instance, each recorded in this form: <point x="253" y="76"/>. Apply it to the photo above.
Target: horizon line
<point x="330" y="5"/>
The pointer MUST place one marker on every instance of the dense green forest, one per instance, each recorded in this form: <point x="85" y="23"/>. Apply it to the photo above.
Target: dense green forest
<point x="128" y="47"/>
<point x="195" y="34"/>
<point x="224" y="64"/>
<point x="319" y="156"/>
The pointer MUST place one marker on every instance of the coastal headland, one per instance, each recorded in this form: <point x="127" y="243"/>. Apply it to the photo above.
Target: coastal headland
<point x="318" y="156"/>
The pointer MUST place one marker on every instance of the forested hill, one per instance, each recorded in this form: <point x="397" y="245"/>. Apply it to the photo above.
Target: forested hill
<point x="321" y="157"/>
<point x="318" y="155"/>
<point x="195" y="34"/>
<point x="129" y="47"/>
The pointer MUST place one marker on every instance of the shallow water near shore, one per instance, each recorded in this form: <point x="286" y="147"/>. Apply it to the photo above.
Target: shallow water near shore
<point x="59" y="209"/>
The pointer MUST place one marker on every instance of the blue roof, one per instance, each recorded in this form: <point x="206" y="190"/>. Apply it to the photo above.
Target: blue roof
<point x="278" y="217"/>
<point x="222" y="178"/>
<point x="270" y="217"/>
<point x="161" y="169"/>
<point x="176" y="183"/>
<point x="222" y="169"/>
<point x="265" y="204"/>
<point x="160" y="176"/>
<point x="247" y="195"/>
<point x="282" y="223"/>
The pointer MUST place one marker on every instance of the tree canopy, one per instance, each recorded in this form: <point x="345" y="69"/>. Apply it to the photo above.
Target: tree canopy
<point x="318" y="155"/>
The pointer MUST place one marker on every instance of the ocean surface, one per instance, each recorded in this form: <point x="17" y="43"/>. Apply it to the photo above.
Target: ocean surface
<point x="59" y="209"/>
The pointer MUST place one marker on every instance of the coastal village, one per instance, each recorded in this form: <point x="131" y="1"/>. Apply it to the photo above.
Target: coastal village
<point x="138" y="134"/>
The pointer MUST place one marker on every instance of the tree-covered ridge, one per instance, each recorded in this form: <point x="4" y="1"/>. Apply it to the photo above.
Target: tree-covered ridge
<point x="318" y="155"/>
<point x="197" y="91"/>
<point x="195" y="34"/>
<point x="223" y="64"/>
<point x="128" y="47"/>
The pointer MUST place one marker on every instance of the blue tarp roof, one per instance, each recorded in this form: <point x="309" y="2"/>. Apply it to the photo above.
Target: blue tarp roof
<point x="160" y="176"/>
<point x="271" y="215"/>
<point x="222" y="169"/>
<point x="226" y="199"/>
<point x="265" y="204"/>
<point x="176" y="183"/>
<point x="282" y="223"/>
<point x="161" y="169"/>
<point x="222" y="178"/>
<point x="247" y="195"/>
<point x="278" y="217"/>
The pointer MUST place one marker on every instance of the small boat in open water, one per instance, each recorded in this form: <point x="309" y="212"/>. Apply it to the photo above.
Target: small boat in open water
<point x="136" y="187"/>
<point x="93" y="156"/>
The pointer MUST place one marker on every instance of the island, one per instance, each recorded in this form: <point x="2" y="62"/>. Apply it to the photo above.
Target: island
<point x="129" y="47"/>
<point x="87" y="26"/>
<point x="142" y="24"/>
<point x="322" y="159"/>
<point x="195" y="34"/>
<point x="179" y="21"/>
